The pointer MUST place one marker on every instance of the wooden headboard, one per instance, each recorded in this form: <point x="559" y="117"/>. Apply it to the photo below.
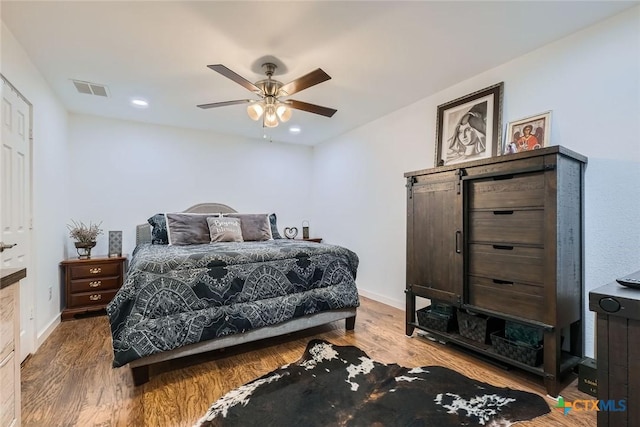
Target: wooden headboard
<point x="143" y="231"/>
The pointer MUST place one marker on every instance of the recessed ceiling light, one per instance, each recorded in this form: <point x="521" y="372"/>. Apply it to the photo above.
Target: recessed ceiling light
<point x="294" y="129"/>
<point x="139" y="103"/>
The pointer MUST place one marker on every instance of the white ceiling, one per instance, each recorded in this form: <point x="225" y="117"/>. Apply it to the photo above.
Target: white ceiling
<point x="381" y="55"/>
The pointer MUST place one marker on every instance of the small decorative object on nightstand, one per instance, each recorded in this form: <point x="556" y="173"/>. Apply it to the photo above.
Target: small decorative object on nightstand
<point x="290" y="232"/>
<point x="115" y="244"/>
<point x="305" y="229"/>
<point x="90" y="284"/>
<point x="84" y="236"/>
<point x="84" y="249"/>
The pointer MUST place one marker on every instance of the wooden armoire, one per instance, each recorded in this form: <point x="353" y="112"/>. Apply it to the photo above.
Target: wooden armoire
<point x="503" y="237"/>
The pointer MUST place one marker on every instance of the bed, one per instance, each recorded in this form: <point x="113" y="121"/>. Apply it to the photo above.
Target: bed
<point x="178" y="301"/>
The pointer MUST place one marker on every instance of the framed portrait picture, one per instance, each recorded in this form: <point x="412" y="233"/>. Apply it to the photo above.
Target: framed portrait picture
<point x="528" y="134"/>
<point x="469" y="128"/>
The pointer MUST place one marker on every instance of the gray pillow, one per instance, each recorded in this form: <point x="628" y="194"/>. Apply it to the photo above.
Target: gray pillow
<point x="224" y="229"/>
<point x="255" y="227"/>
<point x="187" y="228"/>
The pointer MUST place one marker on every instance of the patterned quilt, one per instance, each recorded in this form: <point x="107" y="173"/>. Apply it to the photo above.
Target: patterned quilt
<point x="179" y="295"/>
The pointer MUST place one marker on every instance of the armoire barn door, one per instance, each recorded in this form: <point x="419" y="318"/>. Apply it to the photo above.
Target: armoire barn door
<point x="434" y="238"/>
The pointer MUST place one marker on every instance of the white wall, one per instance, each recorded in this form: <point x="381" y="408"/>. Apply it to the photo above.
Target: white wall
<point x="49" y="180"/>
<point x="590" y="80"/>
<point x="124" y="172"/>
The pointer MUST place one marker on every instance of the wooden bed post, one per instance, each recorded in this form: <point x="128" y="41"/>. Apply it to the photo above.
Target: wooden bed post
<point x="140" y="374"/>
<point x="350" y="323"/>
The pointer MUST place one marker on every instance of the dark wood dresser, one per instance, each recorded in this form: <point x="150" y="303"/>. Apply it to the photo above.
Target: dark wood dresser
<point x="90" y="284"/>
<point x="618" y="353"/>
<point x="501" y="239"/>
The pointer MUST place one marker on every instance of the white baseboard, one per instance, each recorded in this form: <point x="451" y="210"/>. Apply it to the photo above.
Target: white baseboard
<point x="44" y="334"/>
<point x="383" y="299"/>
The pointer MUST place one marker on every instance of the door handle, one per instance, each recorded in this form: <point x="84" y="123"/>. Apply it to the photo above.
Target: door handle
<point x="3" y="246"/>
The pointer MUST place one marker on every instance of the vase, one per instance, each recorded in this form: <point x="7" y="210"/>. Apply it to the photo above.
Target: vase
<point x="84" y="249"/>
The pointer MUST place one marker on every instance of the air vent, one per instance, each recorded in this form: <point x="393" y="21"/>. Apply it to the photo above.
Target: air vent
<point x="91" y="88"/>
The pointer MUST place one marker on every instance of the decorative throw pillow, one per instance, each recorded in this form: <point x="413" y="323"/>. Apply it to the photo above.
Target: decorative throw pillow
<point x="158" y="229"/>
<point x="224" y="229"/>
<point x="188" y="228"/>
<point x="274" y="226"/>
<point x="255" y="227"/>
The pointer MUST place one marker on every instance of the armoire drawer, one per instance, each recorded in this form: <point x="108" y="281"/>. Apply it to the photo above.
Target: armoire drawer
<point x="517" y="299"/>
<point x="508" y="191"/>
<point x="507" y="262"/>
<point x="94" y="270"/>
<point x="507" y="226"/>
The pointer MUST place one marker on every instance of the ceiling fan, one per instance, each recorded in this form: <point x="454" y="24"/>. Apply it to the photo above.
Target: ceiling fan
<point x="271" y="106"/>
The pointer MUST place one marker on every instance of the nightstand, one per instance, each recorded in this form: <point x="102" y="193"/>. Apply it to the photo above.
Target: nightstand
<point x="90" y="284"/>
<point x="312" y="239"/>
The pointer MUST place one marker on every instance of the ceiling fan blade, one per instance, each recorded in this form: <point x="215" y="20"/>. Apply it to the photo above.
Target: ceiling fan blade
<point x="311" y="108"/>
<point x="235" y="77"/>
<point x="304" y="82"/>
<point x="224" y="104"/>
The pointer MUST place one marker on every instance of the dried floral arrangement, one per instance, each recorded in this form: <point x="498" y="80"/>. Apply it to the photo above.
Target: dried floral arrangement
<point x="80" y="232"/>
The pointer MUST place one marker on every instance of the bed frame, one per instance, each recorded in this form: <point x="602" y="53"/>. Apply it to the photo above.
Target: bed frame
<point x="140" y="367"/>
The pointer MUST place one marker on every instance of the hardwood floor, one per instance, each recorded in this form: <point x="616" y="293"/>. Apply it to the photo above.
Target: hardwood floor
<point x="70" y="381"/>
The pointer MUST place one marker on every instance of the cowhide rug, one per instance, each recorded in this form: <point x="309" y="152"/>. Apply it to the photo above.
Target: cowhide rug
<point x="341" y="386"/>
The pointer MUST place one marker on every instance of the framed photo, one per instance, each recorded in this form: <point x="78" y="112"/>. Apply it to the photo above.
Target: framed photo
<point x="528" y="134"/>
<point x="469" y="128"/>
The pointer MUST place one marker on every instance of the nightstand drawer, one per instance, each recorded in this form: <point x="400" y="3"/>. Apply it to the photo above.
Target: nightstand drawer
<point x="507" y="226"/>
<point x="516" y="299"/>
<point x="95" y="284"/>
<point x="94" y="270"/>
<point x="510" y="191"/>
<point x="506" y="262"/>
<point x="93" y="298"/>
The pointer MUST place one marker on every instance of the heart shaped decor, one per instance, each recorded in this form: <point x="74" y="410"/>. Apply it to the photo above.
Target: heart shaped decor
<point x="290" y="232"/>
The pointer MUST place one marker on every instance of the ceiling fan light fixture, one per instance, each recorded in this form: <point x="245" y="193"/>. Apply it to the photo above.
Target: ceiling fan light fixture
<point x="283" y="112"/>
<point x="270" y="123"/>
<point x="255" y="110"/>
<point x="270" y="117"/>
<point x="269" y="107"/>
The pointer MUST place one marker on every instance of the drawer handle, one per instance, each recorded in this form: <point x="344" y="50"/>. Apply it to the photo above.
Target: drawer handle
<point x="95" y="297"/>
<point x="95" y="270"/>
<point x="502" y="177"/>
<point x="457" y="241"/>
<point x="503" y="247"/>
<point x="502" y="282"/>
<point x="95" y="284"/>
<point x="503" y="212"/>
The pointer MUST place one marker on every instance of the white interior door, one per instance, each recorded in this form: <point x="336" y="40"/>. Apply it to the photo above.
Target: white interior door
<point x="15" y="204"/>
